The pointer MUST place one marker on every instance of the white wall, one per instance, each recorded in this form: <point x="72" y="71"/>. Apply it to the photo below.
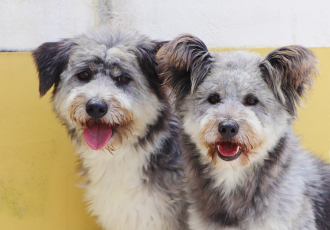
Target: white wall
<point x="231" y="23"/>
<point x="25" y="24"/>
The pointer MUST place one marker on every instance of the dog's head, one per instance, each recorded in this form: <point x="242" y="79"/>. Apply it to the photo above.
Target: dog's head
<point x="106" y="87"/>
<point x="235" y="106"/>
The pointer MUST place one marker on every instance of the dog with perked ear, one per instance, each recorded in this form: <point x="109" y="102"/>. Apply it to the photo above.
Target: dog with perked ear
<point x="108" y="94"/>
<point x="244" y="167"/>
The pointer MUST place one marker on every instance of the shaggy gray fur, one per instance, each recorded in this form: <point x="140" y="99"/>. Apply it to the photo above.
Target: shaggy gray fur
<point x="145" y="129"/>
<point x="271" y="183"/>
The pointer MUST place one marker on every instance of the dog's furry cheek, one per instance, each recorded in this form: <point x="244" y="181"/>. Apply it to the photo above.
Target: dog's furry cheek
<point x="192" y="126"/>
<point x="146" y="112"/>
<point x="274" y="126"/>
<point x="272" y="133"/>
<point x="62" y="102"/>
<point x="202" y="131"/>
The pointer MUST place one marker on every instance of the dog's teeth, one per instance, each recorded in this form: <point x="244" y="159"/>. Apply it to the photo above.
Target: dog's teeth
<point x="238" y="148"/>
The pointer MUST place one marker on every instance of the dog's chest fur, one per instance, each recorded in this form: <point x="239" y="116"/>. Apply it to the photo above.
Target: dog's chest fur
<point x="274" y="197"/>
<point x="119" y="193"/>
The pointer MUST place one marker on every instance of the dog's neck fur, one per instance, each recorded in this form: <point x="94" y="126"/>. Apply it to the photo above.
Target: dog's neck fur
<point x="120" y="182"/>
<point x="237" y="201"/>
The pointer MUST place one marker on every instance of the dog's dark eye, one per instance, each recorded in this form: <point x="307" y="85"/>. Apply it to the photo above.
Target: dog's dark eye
<point x="251" y="100"/>
<point x="85" y="75"/>
<point x="214" y="98"/>
<point x="123" y="79"/>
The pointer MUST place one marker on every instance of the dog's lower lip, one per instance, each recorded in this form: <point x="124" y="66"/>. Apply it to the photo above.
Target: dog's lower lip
<point x="229" y="151"/>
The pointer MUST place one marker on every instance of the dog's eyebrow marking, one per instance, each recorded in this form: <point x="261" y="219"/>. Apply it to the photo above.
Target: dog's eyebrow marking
<point x="94" y="60"/>
<point x="119" y="69"/>
<point x="116" y="70"/>
<point x="97" y="60"/>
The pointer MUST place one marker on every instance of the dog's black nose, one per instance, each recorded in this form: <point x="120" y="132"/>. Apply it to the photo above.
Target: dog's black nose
<point x="228" y="129"/>
<point x="96" y="109"/>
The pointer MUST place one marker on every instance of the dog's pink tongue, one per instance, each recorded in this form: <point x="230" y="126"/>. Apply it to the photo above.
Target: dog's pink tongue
<point x="97" y="135"/>
<point x="228" y="149"/>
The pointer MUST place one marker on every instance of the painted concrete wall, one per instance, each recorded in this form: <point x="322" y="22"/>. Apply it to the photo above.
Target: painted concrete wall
<point x="38" y="181"/>
<point x="236" y="23"/>
<point x="38" y="165"/>
<point x="25" y="24"/>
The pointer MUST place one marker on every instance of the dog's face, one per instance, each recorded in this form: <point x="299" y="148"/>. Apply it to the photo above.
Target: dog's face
<point x="235" y="106"/>
<point x="235" y="112"/>
<point x="106" y="85"/>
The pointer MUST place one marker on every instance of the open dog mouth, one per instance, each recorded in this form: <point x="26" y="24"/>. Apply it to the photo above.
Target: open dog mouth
<point x="97" y="134"/>
<point x="229" y="151"/>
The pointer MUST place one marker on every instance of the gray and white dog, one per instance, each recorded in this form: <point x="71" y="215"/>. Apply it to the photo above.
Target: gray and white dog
<point x="108" y="94"/>
<point x="244" y="167"/>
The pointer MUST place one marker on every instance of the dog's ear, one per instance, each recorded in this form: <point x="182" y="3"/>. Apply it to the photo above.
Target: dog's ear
<point x="183" y="64"/>
<point x="146" y="56"/>
<point x="51" y="58"/>
<point x="289" y="72"/>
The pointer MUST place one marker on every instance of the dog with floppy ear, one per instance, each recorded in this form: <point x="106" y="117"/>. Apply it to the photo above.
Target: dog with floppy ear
<point x="244" y="167"/>
<point x="108" y="94"/>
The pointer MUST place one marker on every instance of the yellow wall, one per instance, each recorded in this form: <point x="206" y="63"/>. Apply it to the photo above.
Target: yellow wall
<point x="37" y="161"/>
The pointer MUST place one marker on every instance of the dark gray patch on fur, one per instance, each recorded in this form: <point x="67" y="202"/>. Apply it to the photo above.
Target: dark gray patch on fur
<point x="290" y="69"/>
<point x="146" y="54"/>
<point x="51" y="59"/>
<point x="186" y="58"/>
<point x="165" y="171"/>
<point x="321" y="197"/>
<point x="154" y="129"/>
